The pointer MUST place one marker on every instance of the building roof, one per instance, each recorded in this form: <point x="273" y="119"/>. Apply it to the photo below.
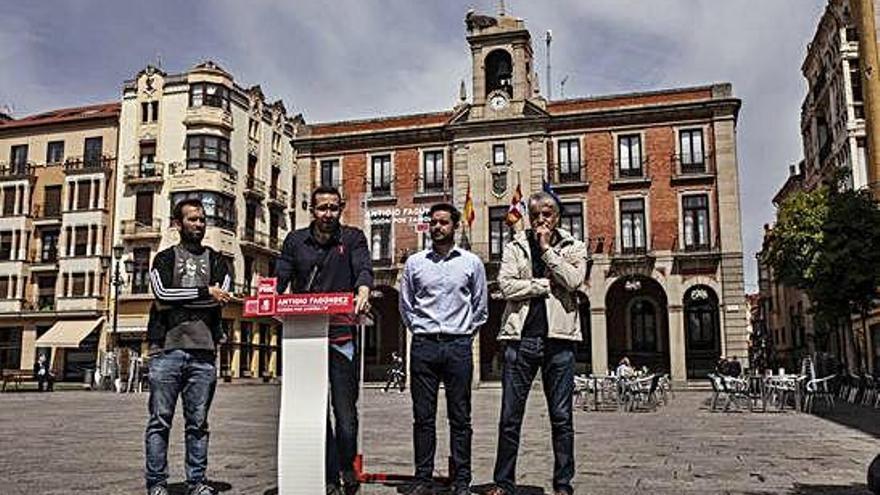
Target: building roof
<point x="380" y="124"/>
<point x="65" y="115"/>
<point x="557" y="107"/>
<point x="659" y="97"/>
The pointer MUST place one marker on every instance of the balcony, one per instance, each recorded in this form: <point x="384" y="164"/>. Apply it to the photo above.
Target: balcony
<point x="208" y="115"/>
<point x="89" y="304"/>
<point x="696" y="258"/>
<point x="12" y="306"/>
<point x="46" y="215"/>
<point x="432" y="189"/>
<point x="693" y="168"/>
<point x="278" y="198"/>
<point x="257" y="241"/>
<point x="144" y="173"/>
<point x="254" y="188"/>
<point x="635" y="174"/>
<point x="380" y="193"/>
<point x="89" y="165"/>
<point x="134" y="230"/>
<point x="210" y="176"/>
<point x="131" y="291"/>
<point x="16" y="171"/>
<point x="569" y="177"/>
<point x="631" y="260"/>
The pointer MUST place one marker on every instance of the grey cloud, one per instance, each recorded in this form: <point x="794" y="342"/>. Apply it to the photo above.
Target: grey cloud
<point x="361" y="58"/>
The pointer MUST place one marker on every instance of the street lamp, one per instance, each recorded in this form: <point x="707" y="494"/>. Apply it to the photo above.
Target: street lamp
<point x="118" y="252"/>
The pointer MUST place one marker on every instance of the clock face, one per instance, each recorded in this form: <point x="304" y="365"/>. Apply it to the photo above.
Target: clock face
<point x="497" y="102"/>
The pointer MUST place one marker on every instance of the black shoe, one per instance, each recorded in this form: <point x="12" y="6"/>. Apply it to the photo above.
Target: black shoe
<point x="334" y="490"/>
<point x="461" y="490"/>
<point x="420" y="489"/>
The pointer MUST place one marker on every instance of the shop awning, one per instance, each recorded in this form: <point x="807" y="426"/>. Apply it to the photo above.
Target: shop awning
<point x="68" y="333"/>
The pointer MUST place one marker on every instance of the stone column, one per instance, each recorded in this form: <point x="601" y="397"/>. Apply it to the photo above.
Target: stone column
<point x="599" y="340"/>
<point x="91" y="194"/>
<point x="75" y="194"/>
<point x="101" y="203"/>
<point x="89" y="240"/>
<point x="15" y="208"/>
<point x="22" y="244"/>
<point x="19" y="287"/>
<point x="677" y="348"/>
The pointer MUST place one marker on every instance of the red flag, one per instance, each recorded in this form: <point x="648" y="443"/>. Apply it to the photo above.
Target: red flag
<point x="515" y="213"/>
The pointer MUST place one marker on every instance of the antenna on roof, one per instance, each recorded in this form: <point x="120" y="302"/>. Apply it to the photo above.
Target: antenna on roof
<point x="158" y="60"/>
<point x="549" y="38"/>
<point x="501" y="9"/>
<point x="562" y="87"/>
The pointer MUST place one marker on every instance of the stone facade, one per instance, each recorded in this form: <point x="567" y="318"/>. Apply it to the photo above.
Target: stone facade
<point x="200" y="133"/>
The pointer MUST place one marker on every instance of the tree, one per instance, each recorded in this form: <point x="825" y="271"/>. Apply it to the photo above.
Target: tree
<point x="825" y="242"/>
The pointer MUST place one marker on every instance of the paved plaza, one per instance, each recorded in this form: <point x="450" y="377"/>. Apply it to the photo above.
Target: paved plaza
<point x="91" y="442"/>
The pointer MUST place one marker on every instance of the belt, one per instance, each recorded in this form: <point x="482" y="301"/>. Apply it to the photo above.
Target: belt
<point x="441" y="337"/>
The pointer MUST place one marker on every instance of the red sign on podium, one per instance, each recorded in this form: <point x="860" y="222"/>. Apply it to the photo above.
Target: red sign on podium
<point x="300" y="304"/>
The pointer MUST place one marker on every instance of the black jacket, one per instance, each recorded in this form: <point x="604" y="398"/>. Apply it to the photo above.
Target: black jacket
<point x="342" y="265"/>
<point x="174" y="304"/>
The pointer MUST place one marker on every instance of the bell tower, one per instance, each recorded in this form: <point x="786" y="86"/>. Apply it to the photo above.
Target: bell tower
<point x="502" y="60"/>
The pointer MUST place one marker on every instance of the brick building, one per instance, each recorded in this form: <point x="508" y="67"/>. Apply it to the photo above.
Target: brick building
<point x="649" y="180"/>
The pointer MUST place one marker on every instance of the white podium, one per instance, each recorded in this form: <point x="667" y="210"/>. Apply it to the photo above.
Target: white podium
<point x="302" y="420"/>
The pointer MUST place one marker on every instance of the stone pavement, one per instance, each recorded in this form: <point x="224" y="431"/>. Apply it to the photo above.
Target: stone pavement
<point x="91" y="442"/>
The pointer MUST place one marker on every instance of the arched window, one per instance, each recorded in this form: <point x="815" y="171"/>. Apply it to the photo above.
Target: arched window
<point x="499" y="72"/>
<point x="643" y="321"/>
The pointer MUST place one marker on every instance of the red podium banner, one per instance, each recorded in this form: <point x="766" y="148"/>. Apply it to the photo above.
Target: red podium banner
<point x="299" y="304"/>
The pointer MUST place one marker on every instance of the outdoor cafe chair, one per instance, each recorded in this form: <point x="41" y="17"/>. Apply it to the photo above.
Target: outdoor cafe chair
<point x="819" y="388"/>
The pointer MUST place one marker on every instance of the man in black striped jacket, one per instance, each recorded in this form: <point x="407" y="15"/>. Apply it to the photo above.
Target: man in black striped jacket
<point x="191" y="283"/>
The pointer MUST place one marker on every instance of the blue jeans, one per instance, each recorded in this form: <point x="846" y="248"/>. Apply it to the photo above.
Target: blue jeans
<point x="193" y="376"/>
<point x="448" y="360"/>
<point x="342" y="433"/>
<point x="555" y="359"/>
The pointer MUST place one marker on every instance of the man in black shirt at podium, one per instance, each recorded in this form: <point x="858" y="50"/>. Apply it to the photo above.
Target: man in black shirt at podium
<point x="329" y="257"/>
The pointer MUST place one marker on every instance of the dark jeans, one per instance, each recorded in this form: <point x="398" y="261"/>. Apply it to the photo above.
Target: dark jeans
<point x="45" y="382"/>
<point x="448" y="360"/>
<point x="193" y="376"/>
<point x="555" y="359"/>
<point x="342" y="434"/>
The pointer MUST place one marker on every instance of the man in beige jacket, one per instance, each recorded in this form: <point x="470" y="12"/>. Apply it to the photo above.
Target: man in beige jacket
<point x="541" y="271"/>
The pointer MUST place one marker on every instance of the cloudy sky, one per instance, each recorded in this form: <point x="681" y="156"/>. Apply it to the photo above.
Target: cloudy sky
<point x="363" y="58"/>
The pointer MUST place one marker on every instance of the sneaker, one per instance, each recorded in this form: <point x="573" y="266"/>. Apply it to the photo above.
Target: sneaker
<point x="334" y="490"/>
<point x="160" y="489"/>
<point x="200" y="489"/>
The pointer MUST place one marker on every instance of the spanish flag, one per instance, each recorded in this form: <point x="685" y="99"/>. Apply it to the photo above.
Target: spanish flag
<point x="469" y="207"/>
